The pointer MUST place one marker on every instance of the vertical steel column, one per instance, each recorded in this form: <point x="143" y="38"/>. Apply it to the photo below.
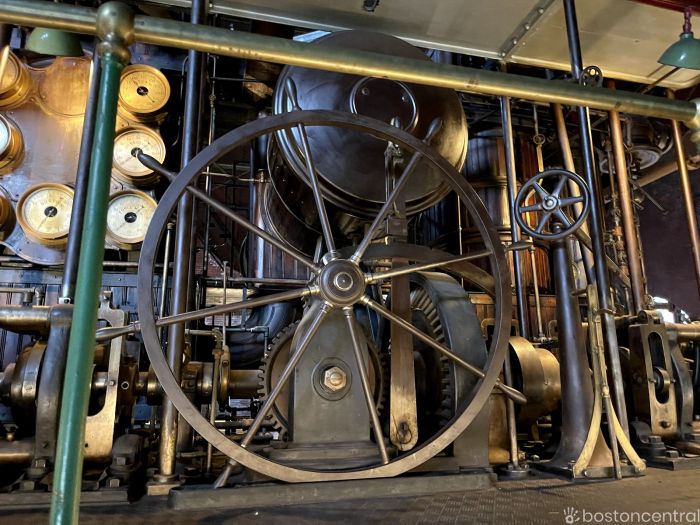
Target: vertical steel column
<point x="687" y="190"/>
<point x="182" y="264"/>
<point x="512" y="183"/>
<point x="634" y="255"/>
<point x="596" y="222"/>
<point x="520" y="295"/>
<point x="576" y="384"/>
<point x="115" y="29"/>
<point x="70" y="268"/>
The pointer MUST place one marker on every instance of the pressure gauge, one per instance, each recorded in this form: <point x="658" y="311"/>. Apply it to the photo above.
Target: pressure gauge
<point x="128" y="168"/>
<point x="44" y="211"/>
<point x="128" y="216"/>
<point x="15" y="82"/>
<point x="143" y="92"/>
<point x="11" y="144"/>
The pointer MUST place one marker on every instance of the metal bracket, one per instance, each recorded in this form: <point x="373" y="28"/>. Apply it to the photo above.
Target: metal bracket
<point x="532" y="19"/>
<point x="601" y="392"/>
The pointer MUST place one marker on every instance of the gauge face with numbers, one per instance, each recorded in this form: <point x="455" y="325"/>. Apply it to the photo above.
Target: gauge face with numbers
<point x="44" y="212"/>
<point x="126" y="142"/>
<point x="128" y="215"/>
<point x="143" y="90"/>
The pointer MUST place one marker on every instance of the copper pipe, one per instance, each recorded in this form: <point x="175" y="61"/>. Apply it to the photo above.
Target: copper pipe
<point x="687" y="194"/>
<point x="627" y="209"/>
<point x="563" y="137"/>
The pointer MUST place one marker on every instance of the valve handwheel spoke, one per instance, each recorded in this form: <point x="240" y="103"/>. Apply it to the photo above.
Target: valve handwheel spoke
<point x="550" y="205"/>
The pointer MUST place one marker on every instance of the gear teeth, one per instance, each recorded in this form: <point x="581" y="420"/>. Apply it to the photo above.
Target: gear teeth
<point x="420" y="300"/>
<point x="273" y="348"/>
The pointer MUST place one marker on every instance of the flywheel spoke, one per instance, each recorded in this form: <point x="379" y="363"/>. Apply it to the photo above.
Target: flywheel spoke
<point x="238" y="305"/>
<point x="512" y="393"/>
<point x="369" y="399"/>
<point x="311" y="172"/>
<point x="286" y="373"/>
<point x="403" y="270"/>
<point x="156" y="166"/>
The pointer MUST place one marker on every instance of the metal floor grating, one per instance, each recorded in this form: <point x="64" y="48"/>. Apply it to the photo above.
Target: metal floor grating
<point x="536" y="501"/>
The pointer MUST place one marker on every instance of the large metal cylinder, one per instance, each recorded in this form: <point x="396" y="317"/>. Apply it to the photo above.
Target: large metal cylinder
<point x="350" y="164"/>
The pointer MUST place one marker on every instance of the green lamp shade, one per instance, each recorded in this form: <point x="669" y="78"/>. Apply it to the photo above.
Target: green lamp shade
<point x="54" y="42"/>
<point x="685" y="53"/>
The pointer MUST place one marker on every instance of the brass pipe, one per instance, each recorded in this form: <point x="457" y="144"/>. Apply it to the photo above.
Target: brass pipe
<point x="19" y="451"/>
<point x="238" y="44"/>
<point x="687" y="190"/>
<point x="627" y="208"/>
<point x="24" y="319"/>
<point x="685" y="332"/>
<point x="577" y="249"/>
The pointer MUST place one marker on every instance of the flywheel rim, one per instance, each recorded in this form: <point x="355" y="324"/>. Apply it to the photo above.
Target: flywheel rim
<point x="149" y="330"/>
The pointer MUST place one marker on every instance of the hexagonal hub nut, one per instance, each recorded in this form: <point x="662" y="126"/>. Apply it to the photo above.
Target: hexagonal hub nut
<point x="335" y="379"/>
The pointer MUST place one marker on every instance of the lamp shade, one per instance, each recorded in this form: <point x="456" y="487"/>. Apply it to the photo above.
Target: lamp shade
<point x="54" y="42"/>
<point x="685" y="53"/>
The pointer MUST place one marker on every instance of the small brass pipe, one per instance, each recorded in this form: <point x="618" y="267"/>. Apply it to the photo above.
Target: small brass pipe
<point x="14" y="452"/>
<point x="25" y="319"/>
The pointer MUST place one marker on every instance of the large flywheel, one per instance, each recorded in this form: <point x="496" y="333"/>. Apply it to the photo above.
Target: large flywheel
<point x="355" y="275"/>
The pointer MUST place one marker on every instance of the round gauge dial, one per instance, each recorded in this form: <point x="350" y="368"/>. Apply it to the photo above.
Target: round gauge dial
<point x="5" y="135"/>
<point x="12" y="69"/>
<point x="127" y="167"/>
<point x="44" y="211"/>
<point x="11" y="144"/>
<point x="128" y="216"/>
<point x="15" y="82"/>
<point x="143" y="90"/>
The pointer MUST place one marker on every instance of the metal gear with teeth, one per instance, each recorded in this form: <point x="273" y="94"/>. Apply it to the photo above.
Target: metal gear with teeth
<point x="277" y="356"/>
<point x="421" y="302"/>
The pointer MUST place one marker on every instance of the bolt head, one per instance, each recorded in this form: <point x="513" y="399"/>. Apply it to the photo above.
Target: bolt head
<point x="335" y="379"/>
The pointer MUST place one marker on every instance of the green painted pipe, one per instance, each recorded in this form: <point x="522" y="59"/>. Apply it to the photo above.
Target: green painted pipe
<point x="113" y="22"/>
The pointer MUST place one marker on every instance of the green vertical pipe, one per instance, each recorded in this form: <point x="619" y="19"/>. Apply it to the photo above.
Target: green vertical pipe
<point x="67" y="480"/>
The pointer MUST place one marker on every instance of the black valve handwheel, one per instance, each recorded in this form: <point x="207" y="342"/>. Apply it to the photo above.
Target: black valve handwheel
<point x="548" y="208"/>
<point x="591" y="76"/>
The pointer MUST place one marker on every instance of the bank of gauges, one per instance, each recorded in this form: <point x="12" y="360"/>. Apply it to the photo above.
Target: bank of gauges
<point x="143" y="94"/>
<point x="44" y="211"/>
<point x="128" y="215"/>
<point x="15" y="81"/>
